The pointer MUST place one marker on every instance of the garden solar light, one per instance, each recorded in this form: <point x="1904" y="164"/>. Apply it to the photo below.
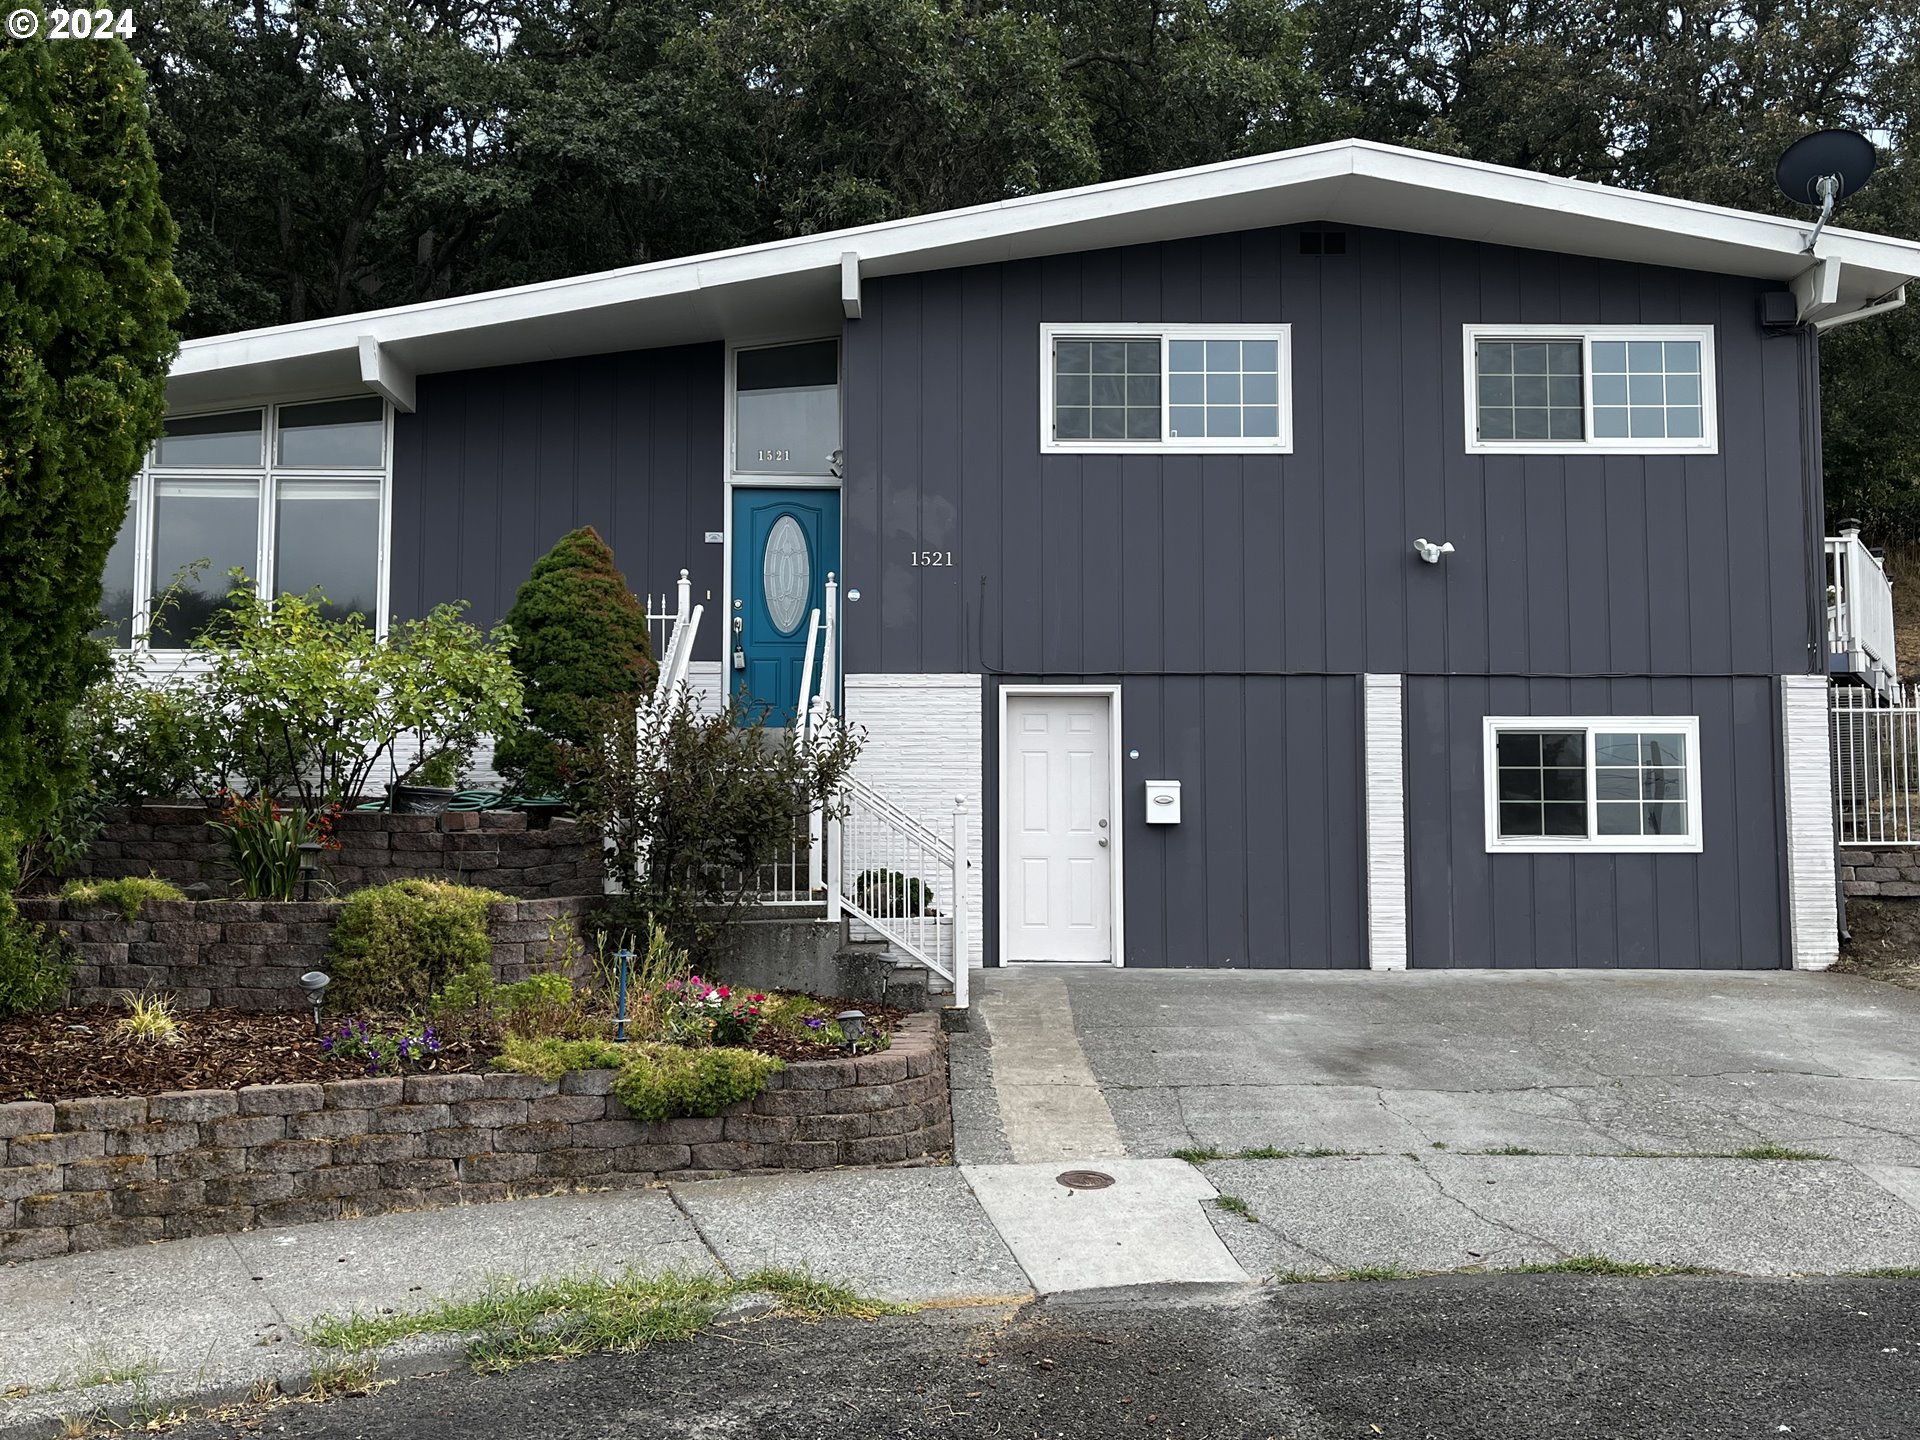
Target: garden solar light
<point x="315" y="983"/>
<point x="853" y="1024"/>
<point x="309" y="867"/>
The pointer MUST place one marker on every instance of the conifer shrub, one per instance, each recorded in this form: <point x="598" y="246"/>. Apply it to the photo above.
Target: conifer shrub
<point x="582" y="653"/>
<point x="87" y="300"/>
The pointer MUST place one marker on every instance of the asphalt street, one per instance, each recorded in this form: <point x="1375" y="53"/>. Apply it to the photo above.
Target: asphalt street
<point x="1450" y="1358"/>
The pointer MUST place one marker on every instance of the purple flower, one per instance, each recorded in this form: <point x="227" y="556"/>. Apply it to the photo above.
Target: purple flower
<point x="814" y="1022"/>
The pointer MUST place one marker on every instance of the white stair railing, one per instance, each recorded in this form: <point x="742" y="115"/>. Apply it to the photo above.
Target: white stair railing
<point x="1860" y="607"/>
<point x="899" y="878"/>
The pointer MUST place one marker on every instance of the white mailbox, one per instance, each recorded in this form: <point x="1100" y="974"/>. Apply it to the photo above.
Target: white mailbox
<point x="1163" y="802"/>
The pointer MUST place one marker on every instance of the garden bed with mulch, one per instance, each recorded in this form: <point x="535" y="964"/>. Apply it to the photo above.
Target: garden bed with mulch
<point x="73" y="1053"/>
<point x="68" y="1054"/>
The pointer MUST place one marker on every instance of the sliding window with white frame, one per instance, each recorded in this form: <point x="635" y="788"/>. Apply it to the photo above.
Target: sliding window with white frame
<point x="1166" y="389"/>
<point x="295" y="495"/>
<point x="1593" y="783"/>
<point x="1590" y="389"/>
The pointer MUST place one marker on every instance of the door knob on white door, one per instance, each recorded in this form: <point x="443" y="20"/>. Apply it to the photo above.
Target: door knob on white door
<point x="1103" y="842"/>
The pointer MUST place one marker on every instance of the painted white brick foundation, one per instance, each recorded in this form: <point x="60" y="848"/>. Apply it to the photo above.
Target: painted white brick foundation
<point x="1811" y="884"/>
<point x="1386" y="822"/>
<point x="924" y="749"/>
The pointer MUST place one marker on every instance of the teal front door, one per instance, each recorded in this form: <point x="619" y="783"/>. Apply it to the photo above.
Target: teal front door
<point x="784" y="544"/>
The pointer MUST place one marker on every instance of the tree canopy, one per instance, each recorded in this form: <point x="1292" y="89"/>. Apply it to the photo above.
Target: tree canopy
<point x="326" y="156"/>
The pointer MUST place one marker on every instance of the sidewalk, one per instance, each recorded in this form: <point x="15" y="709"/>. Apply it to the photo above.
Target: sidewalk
<point x="206" y="1320"/>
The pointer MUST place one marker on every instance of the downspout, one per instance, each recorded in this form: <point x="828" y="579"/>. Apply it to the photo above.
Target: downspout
<point x="1812" y="442"/>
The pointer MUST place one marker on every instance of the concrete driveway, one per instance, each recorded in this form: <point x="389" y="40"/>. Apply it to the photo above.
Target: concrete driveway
<point x="1078" y="1062"/>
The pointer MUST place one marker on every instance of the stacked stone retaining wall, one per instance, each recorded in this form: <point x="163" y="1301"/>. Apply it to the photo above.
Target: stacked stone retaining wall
<point x="1885" y="872"/>
<point x="495" y="848"/>
<point x="250" y="954"/>
<point x="95" y="1173"/>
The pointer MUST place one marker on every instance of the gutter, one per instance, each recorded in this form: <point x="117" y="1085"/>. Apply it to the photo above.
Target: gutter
<point x="1892" y="301"/>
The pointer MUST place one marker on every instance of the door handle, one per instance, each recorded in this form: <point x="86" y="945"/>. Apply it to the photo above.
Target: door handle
<point x="1103" y="842"/>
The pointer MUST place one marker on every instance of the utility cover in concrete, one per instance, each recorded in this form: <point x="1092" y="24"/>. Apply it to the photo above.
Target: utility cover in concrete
<point x="1147" y="1228"/>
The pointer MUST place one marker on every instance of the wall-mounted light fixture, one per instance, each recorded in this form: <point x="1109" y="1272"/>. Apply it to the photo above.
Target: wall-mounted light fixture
<point x="1428" y="551"/>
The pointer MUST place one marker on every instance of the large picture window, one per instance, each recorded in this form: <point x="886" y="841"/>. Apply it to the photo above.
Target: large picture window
<point x="1184" y="389"/>
<point x="1564" y="390"/>
<point x="293" y="495"/>
<point x="1593" y="783"/>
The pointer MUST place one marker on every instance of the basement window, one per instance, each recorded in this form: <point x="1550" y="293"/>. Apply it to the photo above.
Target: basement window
<point x="1569" y="390"/>
<point x="1593" y="783"/>
<point x="1176" y="389"/>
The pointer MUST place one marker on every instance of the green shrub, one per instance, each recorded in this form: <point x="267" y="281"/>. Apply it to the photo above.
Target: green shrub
<point x="126" y="895"/>
<point x="35" y="966"/>
<point x="664" y="1082"/>
<point x="549" y="1057"/>
<point x="580" y="647"/>
<point x="309" y="703"/>
<point x="394" y="945"/>
<point x="544" y="1004"/>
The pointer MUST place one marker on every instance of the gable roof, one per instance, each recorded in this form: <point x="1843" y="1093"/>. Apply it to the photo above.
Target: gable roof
<point x="805" y="283"/>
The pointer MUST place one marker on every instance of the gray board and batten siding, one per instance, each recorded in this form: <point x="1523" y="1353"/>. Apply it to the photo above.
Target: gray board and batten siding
<point x="495" y="465"/>
<point x="1232" y="596"/>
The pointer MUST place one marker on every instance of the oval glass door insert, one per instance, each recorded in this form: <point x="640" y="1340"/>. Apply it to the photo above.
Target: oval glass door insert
<point x="786" y="574"/>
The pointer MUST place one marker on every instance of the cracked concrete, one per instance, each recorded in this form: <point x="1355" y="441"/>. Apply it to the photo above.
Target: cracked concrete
<point x="1444" y="1212"/>
<point x="1560" y="1062"/>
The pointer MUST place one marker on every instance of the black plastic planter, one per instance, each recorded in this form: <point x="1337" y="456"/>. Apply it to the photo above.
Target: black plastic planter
<point x="419" y="799"/>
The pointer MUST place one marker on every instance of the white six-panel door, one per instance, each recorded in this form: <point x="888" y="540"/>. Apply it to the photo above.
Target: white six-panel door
<point x="1058" y="883"/>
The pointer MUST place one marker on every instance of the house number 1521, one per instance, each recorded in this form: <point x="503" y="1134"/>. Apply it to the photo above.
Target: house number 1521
<point x="932" y="557"/>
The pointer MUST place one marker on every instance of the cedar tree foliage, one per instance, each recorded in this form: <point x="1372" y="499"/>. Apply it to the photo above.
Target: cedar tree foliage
<point x="581" y="649"/>
<point x="87" y="300"/>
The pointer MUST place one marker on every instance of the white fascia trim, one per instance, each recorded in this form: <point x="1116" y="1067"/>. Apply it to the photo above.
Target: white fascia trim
<point x="1813" y="903"/>
<point x="1753" y="243"/>
<point x="1707" y="444"/>
<point x="1386" y="787"/>
<point x="1816" y="289"/>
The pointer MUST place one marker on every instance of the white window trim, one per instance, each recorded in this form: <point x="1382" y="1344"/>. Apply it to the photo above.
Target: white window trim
<point x="1281" y="444"/>
<point x="141" y="502"/>
<point x="1707" y="444"/>
<point x="1593" y="843"/>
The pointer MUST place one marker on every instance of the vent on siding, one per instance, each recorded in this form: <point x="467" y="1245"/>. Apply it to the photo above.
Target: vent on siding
<point x="1323" y="242"/>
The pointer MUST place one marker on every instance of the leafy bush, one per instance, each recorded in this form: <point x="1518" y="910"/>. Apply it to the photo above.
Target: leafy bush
<point x="394" y="945"/>
<point x="549" y="1056"/>
<point x="697" y="805"/>
<point x="302" y="703"/>
<point x="663" y="1082"/>
<point x="473" y="1003"/>
<point x="125" y="895"/>
<point x="889" y="892"/>
<point x="582" y="648"/>
<point x="35" y="965"/>
<point x="146" y="736"/>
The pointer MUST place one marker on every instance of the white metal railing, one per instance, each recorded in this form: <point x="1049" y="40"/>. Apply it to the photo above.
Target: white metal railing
<point x="900" y="878"/>
<point x="673" y="633"/>
<point x="1876" y="765"/>
<point x="1859" y="608"/>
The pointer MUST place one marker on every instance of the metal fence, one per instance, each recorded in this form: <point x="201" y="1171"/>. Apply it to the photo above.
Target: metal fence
<point x="1876" y="765"/>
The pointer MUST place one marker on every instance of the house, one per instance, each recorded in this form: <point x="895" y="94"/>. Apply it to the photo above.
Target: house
<point x="1122" y="489"/>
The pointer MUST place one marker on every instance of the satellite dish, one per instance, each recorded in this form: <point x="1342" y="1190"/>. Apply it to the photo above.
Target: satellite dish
<point x="1823" y="169"/>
